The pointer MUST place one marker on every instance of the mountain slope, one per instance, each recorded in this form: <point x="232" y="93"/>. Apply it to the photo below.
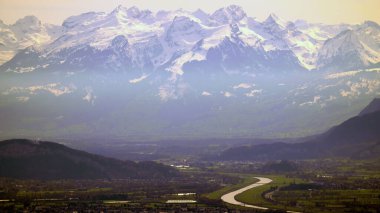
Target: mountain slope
<point x="25" y="32"/>
<point x="47" y="160"/>
<point x="372" y="107"/>
<point x="358" y="137"/>
<point x="352" y="49"/>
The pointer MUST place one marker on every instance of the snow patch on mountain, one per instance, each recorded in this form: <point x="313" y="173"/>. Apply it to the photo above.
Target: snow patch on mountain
<point x="205" y="93"/>
<point x="226" y="94"/>
<point x="350" y="73"/>
<point x="89" y="97"/>
<point x="254" y="93"/>
<point x="315" y="100"/>
<point x="177" y="64"/>
<point x="243" y="86"/>
<point x="172" y="91"/>
<point x="54" y="88"/>
<point x="363" y="86"/>
<point x="137" y="80"/>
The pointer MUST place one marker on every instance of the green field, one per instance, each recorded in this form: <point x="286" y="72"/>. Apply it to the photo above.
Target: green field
<point x="331" y="200"/>
<point x="43" y="194"/>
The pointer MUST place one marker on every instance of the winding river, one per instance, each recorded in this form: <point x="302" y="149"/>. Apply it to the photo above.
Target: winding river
<point x="230" y="197"/>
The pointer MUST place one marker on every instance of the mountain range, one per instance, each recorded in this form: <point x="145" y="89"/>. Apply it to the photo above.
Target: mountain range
<point x="141" y="75"/>
<point x="129" y="39"/>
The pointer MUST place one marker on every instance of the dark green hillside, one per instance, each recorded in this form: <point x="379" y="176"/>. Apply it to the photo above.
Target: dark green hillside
<point x="46" y="160"/>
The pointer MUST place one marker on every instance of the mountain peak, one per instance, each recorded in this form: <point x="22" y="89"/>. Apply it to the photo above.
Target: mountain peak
<point x="235" y="8"/>
<point x="274" y="24"/>
<point x="28" y="24"/>
<point x="371" y="24"/>
<point x="119" y="8"/>
<point x="232" y="13"/>
<point x="28" y="21"/>
<point x="183" y="23"/>
<point x="137" y="13"/>
<point x="274" y="19"/>
<point x="349" y="50"/>
<point x="82" y="19"/>
<point x="200" y="14"/>
<point x="199" y="11"/>
<point x="133" y="12"/>
<point x="301" y="23"/>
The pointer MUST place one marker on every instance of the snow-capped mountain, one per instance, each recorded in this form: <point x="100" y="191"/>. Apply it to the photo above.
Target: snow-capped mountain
<point x="26" y="32"/>
<point x="172" y="40"/>
<point x="133" y="72"/>
<point x="228" y="15"/>
<point x="352" y="49"/>
<point x="168" y="40"/>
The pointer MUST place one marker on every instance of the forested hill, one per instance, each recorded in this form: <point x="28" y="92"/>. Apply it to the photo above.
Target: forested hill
<point x="47" y="160"/>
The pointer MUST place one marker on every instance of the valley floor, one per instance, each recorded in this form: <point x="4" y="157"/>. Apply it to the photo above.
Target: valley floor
<point x="317" y="186"/>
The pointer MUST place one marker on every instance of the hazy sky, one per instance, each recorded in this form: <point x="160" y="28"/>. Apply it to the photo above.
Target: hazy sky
<point x="325" y="11"/>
